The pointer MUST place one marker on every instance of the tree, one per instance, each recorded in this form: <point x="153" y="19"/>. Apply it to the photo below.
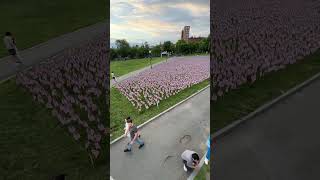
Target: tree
<point x="133" y="53"/>
<point x="146" y="49"/>
<point x="156" y="51"/>
<point x="204" y="45"/>
<point x="113" y="54"/>
<point x="123" y="47"/>
<point x="181" y="47"/>
<point x="168" y="46"/>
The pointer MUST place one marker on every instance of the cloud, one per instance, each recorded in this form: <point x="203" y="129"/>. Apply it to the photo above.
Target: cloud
<point x="158" y="20"/>
<point x="195" y="9"/>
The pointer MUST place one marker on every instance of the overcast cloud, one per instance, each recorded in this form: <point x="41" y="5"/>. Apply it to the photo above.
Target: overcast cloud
<point x="155" y="21"/>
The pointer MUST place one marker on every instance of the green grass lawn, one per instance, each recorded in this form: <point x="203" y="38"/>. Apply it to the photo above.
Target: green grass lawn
<point x="36" y="21"/>
<point x="202" y="174"/>
<point x="33" y="145"/>
<point x="247" y="98"/>
<point x="120" y="108"/>
<point x="124" y="67"/>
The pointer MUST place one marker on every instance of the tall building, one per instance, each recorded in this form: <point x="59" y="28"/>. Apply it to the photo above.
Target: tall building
<point x="185" y="33"/>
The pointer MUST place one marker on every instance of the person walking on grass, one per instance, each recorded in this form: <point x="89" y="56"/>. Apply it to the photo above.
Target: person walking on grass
<point x="10" y="45"/>
<point x="113" y="77"/>
<point x="134" y="136"/>
<point x="190" y="160"/>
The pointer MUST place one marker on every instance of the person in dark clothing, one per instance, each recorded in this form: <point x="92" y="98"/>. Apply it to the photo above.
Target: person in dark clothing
<point x="10" y="45"/>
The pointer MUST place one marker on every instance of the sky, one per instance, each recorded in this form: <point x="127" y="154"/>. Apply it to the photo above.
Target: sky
<point x="156" y="21"/>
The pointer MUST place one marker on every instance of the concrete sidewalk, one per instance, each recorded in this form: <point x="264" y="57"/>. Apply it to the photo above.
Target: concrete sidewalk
<point x="50" y="48"/>
<point x="185" y="127"/>
<point x="133" y="73"/>
<point x="281" y="143"/>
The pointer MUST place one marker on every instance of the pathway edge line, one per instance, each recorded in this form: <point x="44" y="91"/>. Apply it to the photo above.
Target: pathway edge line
<point x="264" y="107"/>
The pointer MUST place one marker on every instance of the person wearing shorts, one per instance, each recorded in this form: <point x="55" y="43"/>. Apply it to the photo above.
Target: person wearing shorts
<point x="134" y="136"/>
<point x="10" y="45"/>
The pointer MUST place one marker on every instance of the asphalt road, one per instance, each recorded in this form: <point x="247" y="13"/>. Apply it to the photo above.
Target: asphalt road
<point x="279" y="144"/>
<point x="185" y="127"/>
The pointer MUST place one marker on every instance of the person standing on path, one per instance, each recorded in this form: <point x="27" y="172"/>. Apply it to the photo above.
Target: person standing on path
<point x="113" y="76"/>
<point x="10" y="44"/>
<point x="134" y="136"/>
<point x="190" y="160"/>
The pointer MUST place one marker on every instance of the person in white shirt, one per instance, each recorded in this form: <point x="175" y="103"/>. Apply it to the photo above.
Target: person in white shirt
<point x="10" y="44"/>
<point x="126" y="128"/>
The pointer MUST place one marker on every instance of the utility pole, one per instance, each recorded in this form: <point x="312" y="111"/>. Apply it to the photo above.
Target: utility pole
<point x="150" y="57"/>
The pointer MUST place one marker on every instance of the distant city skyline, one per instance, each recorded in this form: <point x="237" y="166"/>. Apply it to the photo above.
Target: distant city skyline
<point x="156" y="21"/>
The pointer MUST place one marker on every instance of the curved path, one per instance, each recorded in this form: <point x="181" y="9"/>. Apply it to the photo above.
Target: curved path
<point x="185" y="127"/>
<point x="281" y="143"/>
<point x="133" y="73"/>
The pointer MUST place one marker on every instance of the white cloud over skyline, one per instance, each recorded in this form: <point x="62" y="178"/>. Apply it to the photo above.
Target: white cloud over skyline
<point x="155" y="21"/>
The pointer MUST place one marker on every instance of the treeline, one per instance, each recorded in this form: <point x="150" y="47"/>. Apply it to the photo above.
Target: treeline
<point x="123" y="49"/>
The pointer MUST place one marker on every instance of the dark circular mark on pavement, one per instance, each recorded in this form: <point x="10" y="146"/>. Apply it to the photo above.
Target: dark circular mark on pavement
<point x="166" y="159"/>
<point x="185" y="139"/>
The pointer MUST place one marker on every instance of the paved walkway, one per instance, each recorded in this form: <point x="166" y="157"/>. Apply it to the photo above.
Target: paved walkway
<point x="47" y="49"/>
<point x="282" y="143"/>
<point x="160" y="158"/>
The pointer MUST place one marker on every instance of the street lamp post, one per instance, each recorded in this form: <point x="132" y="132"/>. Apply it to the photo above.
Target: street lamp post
<point x="167" y="56"/>
<point x="150" y="57"/>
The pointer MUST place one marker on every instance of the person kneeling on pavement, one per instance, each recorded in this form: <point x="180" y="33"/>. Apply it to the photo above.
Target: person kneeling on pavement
<point x="190" y="159"/>
<point x="134" y="136"/>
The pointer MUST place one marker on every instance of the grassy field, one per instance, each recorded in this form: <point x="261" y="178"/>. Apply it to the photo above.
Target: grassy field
<point x="124" y="67"/>
<point x="34" y="146"/>
<point x="36" y="21"/>
<point x="121" y="108"/>
<point x="205" y="169"/>
<point x="247" y="98"/>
